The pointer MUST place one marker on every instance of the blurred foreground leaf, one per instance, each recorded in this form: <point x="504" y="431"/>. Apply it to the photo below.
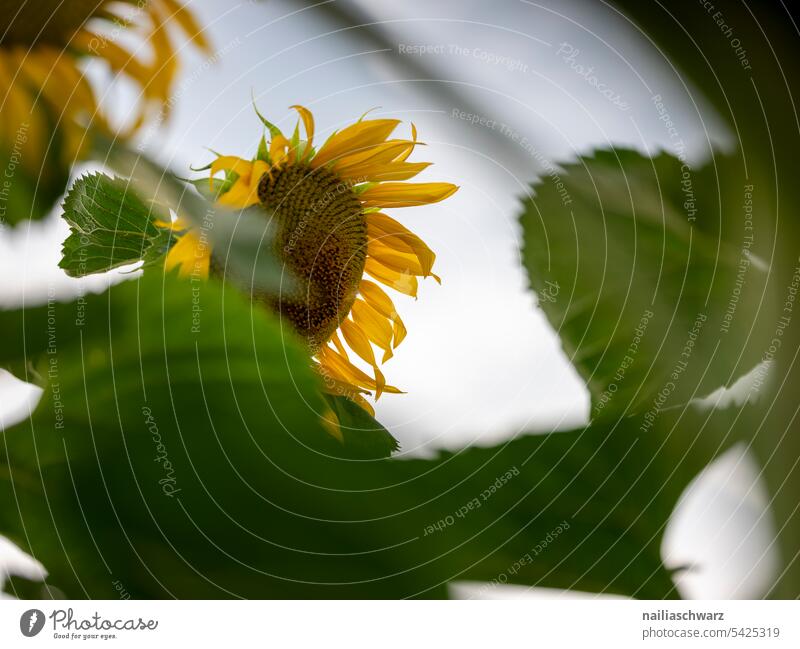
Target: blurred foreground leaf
<point x="363" y="436"/>
<point x="178" y="452"/>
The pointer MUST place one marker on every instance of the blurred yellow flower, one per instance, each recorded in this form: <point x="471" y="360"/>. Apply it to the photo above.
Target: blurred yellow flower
<point x="47" y="102"/>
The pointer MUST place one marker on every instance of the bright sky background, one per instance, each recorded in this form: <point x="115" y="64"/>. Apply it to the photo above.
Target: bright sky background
<point x="493" y="368"/>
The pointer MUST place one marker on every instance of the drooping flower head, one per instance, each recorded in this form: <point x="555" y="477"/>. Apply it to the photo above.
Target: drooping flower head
<point x="331" y="232"/>
<point x="46" y="103"/>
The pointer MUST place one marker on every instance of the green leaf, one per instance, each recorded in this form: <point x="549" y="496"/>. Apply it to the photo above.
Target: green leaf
<point x="263" y="152"/>
<point x="197" y="388"/>
<point x="35" y="332"/>
<point x="178" y="451"/>
<point x="646" y="276"/>
<point x="362" y="434"/>
<point x="742" y="90"/>
<point x="242" y="240"/>
<point x="208" y="190"/>
<point x="23" y="588"/>
<point x="274" y="131"/>
<point x="110" y="226"/>
<point x="657" y="276"/>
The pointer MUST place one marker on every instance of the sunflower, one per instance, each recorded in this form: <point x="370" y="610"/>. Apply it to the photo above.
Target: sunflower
<point x="42" y="88"/>
<point x="331" y="233"/>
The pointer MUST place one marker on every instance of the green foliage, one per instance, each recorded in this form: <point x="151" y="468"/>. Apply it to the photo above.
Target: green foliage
<point x="766" y="138"/>
<point x="185" y="458"/>
<point x="178" y="450"/>
<point x="362" y="434"/>
<point x="242" y="241"/>
<point x="663" y="292"/>
<point x="644" y="268"/>
<point x="110" y="226"/>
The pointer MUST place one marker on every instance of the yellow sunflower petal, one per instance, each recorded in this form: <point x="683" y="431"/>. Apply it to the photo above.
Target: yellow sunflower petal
<point x="342" y="369"/>
<point x="334" y="385"/>
<point x="380" y="163"/>
<point x="57" y="88"/>
<point x="178" y="225"/>
<point x="361" y="401"/>
<point x="349" y="373"/>
<point x="402" y="282"/>
<point x="380" y="153"/>
<point x="277" y="149"/>
<point x="375" y="326"/>
<point x="73" y="141"/>
<point x="395" y="194"/>
<point x="241" y="195"/>
<point x="393" y="171"/>
<point x="232" y="163"/>
<point x="401" y="261"/>
<point x="387" y="355"/>
<point x="376" y="297"/>
<point x="358" y="341"/>
<point x="164" y="67"/>
<point x="399" y="330"/>
<point x="338" y="344"/>
<point x="243" y="168"/>
<point x="387" y="225"/>
<point x="260" y="167"/>
<point x="117" y="57"/>
<point x="343" y="389"/>
<point x="186" y="20"/>
<point x="308" y="122"/>
<point x="20" y="110"/>
<point x="244" y="191"/>
<point x="354" y="139"/>
<point x="404" y="156"/>
<point x="380" y="382"/>
<point x="330" y="423"/>
<point x="392" y="234"/>
<point x="53" y="72"/>
<point x="80" y="86"/>
<point x="378" y="301"/>
<point x="190" y="256"/>
<point x="121" y="62"/>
